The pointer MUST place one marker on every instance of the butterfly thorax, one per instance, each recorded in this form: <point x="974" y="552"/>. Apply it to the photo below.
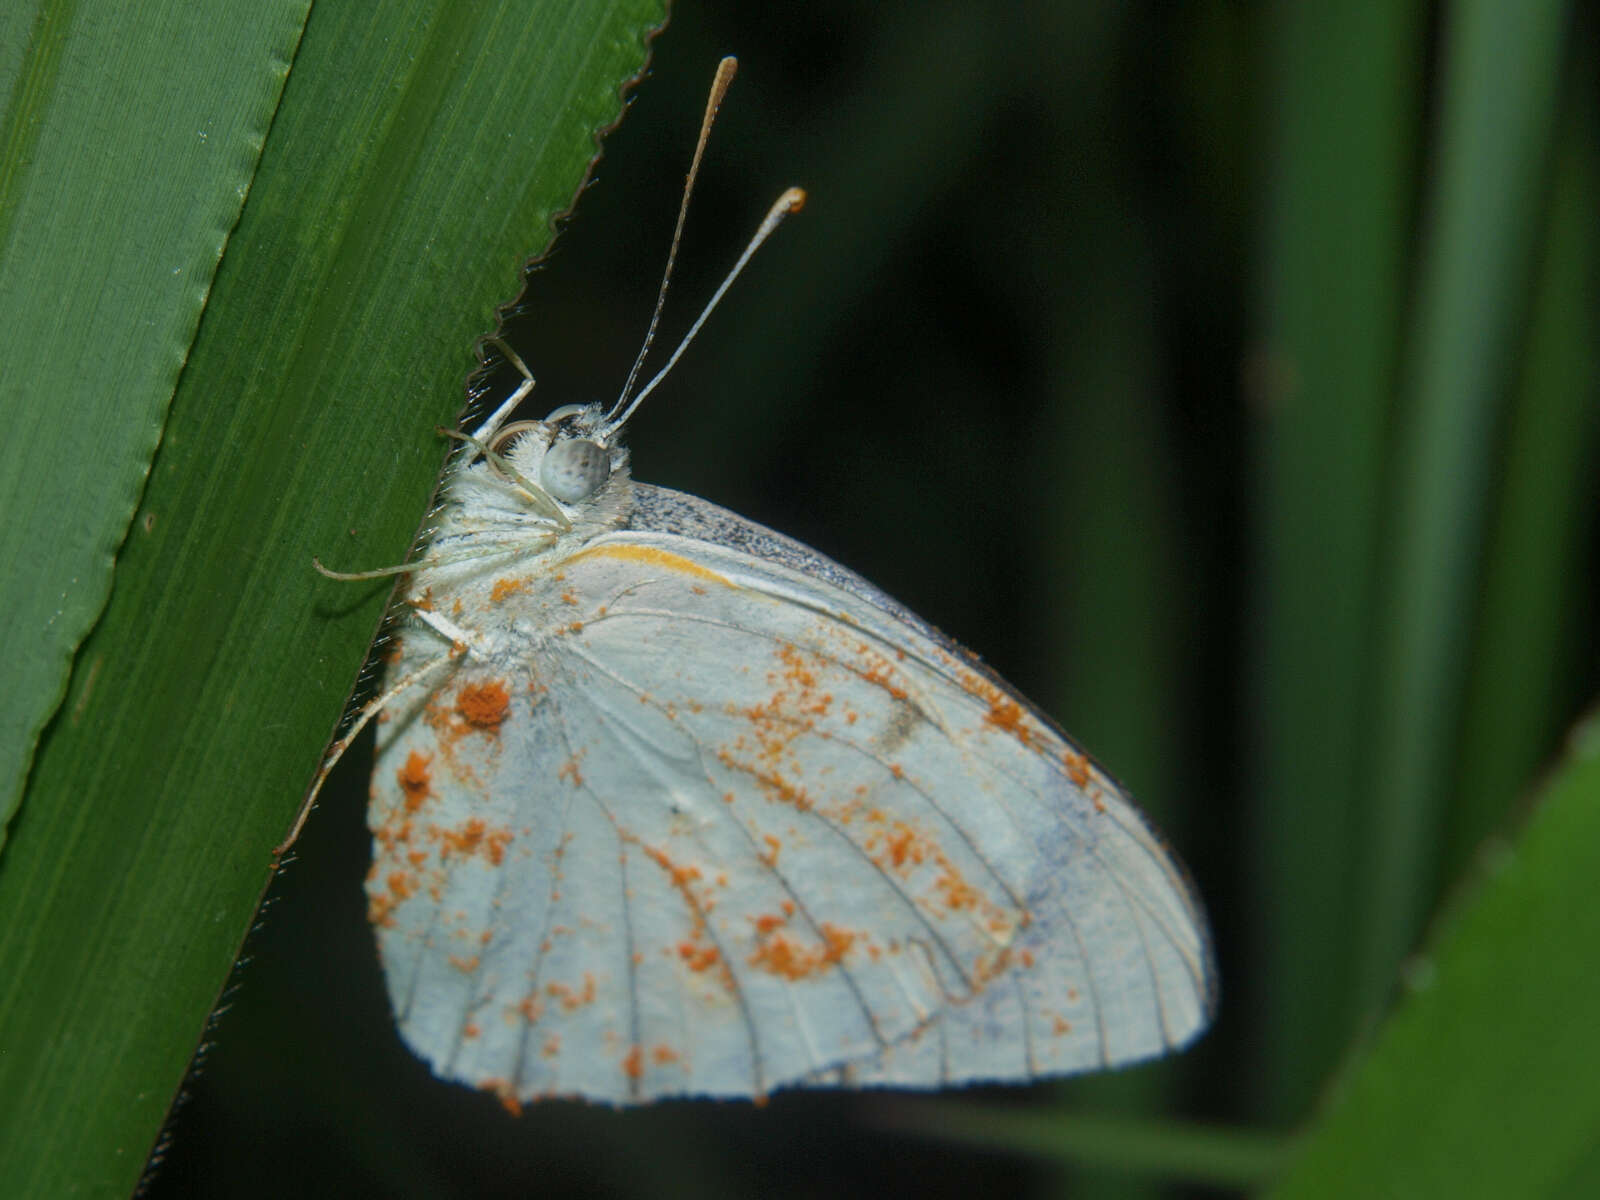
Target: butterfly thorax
<point x="526" y="500"/>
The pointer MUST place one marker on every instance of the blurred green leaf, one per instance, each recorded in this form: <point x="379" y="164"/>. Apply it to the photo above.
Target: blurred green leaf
<point x="1486" y="1081"/>
<point x="1347" y="101"/>
<point x="420" y="149"/>
<point x="1231" y="1158"/>
<point x="1497" y="98"/>
<point x="129" y="135"/>
<point x="1532" y="613"/>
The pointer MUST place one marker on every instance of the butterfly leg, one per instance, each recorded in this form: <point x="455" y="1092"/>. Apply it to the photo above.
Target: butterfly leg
<point x="449" y="630"/>
<point x="335" y="752"/>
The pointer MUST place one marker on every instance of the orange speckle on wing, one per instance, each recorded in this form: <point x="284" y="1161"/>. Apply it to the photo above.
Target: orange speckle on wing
<point x="415" y="782"/>
<point x="698" y="957"/>
<point x="770" y="857"/>
<point x="903" y="845"/>
<point x="633" y="1063"/>
<point x="876" y="669"/>
<point x="696" y="948"/>
<point x="470" y="1029"/>
<point x="1004" y="713"/>
<point x="897" y="846"/>
<point x="664" y="1056"/>
<point x="771" y="782"/>
<point x="1077" y="768"/>
<point x="474" y="837"/>
<point x="571" y="998"/>
<point x="552" y="1046"/>
<point x="958" y="893"/>
<point x="569" y="771"/>
<point x="503" y="589"/>
<point x="484" y="705"/>
<point x="464" y="963"/>
<point x="780" y="952"/>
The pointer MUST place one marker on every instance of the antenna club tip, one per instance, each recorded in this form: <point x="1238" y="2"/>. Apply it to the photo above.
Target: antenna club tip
<point x="793" y="200"/>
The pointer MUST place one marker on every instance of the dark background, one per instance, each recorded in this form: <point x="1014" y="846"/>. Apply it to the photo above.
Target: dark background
<point x="1003" y="365"/>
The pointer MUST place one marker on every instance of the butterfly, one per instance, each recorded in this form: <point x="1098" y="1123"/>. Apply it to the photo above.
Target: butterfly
<point x="666" y="803"/>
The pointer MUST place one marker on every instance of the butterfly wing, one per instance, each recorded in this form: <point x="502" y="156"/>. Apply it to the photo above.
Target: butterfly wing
<point x="725" y="818"/>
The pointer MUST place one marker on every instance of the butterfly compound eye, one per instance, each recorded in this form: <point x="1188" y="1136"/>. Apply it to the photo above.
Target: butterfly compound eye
<point x="574" y="469"/>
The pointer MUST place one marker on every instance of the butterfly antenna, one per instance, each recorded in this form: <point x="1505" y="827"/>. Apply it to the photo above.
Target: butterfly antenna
<point x="792" y="201"/>
<point x="726" y="69"/>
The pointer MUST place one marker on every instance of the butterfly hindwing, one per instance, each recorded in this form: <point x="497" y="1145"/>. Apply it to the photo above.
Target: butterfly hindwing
<point x="705" y="819"/>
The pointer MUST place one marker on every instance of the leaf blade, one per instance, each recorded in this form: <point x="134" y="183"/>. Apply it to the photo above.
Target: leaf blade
<point x="223" y="660"/>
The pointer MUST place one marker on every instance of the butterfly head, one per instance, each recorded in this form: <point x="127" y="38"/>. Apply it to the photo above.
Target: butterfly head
<point x="571" y="454"/>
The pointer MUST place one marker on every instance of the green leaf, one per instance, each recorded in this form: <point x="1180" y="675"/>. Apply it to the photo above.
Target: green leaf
<point x="1346" y="128"/>
<point x="1498" y="119"/>
<point x="129" y="136"/>
<point x="1486" y="1082"/>
<point x="419" y="151"/>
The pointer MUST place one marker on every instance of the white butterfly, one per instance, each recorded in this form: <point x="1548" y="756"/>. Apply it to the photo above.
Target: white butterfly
<point x="666" y="803"/>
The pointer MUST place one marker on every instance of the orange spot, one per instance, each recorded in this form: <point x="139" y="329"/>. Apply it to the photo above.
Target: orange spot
<point x="571" y="999"/>
<point x="633" y="1063"/>
<point x="897" y="846"/>
<point x="1077" y="767"/>
<point x="1062" y="1025"/>
<point x="415" y="781"/>
<point x="470" y="1029"/>
<point x="785" y="955"/>
<point x="552" y="1046"/>
<point x="503" y="589"/>
<point x="1004" y="713"/>
<point x="466" y="965"/>
<point x="901" y="846"/>
<point x="484" y="705"/>
<point x="664" y="1055"/>
<point x="474" y="837"/>
<point x="958" y="893"/>
<point x="699" y="958"/>
<point x="569" y="770"/>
